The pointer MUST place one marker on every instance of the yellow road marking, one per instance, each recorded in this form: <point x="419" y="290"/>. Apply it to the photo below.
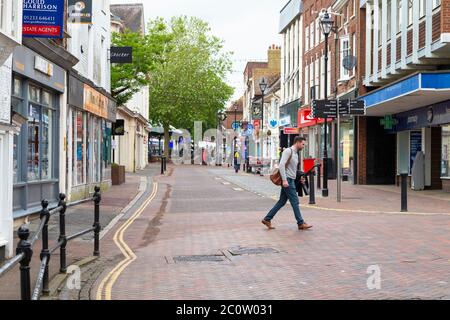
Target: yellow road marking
<point x="108" y="282"/>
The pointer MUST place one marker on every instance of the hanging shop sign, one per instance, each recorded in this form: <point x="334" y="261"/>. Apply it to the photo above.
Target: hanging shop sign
<point x="291" y="131"/>
<point x="43" y="18"/>
<point x="95" y="102"/>
<point x="121" y="54"/>
<point x="285" y="121"/>
<point x="273" y="123"/>
<point x="80" y="11"/>
<point x="118" y="128"/>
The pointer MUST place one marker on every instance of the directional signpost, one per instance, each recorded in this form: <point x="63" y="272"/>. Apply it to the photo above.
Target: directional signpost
<point x="335" y="109"/>
<point x="329" y="108"/>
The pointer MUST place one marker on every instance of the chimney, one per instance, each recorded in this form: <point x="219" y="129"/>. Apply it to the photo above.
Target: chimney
<point x="274" y="57"/>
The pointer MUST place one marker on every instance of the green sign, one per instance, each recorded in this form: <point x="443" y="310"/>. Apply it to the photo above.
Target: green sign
<point x="388" y="122"/>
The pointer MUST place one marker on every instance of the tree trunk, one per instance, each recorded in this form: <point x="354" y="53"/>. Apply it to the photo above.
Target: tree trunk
<point x="166" y="141"/>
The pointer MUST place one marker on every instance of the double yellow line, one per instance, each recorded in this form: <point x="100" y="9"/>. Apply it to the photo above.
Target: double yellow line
<point x="108" y="282"/>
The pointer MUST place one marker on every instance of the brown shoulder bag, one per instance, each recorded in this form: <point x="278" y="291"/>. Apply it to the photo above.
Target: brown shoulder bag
<point x="275" y="177"/>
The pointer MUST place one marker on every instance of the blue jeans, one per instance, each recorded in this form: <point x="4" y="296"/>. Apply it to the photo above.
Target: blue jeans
<point x="290" y="194"/>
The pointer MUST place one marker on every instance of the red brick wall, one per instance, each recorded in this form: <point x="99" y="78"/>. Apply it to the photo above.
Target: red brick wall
<point x="445" y="14"/>
<point x="362" y="150"/>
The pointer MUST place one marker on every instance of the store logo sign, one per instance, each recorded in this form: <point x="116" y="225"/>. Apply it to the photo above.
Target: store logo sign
<point x="43" y="66"/>
<point x="285" y="121"/>
<point x="121" y="54"/>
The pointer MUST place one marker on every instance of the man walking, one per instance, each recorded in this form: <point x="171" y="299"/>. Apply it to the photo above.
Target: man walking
<point x="288" y="170"/>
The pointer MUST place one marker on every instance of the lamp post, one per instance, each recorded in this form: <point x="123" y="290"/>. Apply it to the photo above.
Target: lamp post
<point x="221" y="116"/>
<point x="263" y="87"/>
<point x="326" y="23"/>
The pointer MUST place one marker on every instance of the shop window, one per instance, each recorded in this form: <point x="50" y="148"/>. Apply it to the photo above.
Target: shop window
<point x="445" y="171"/>
<point x="78" y="148"/>
<point x="33" y="142"/>
<point x="47" y="144"/>
<point x="16" y="150"/>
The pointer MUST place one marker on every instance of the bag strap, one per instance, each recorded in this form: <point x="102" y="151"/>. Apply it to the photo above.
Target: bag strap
<point x="290" y="158"/>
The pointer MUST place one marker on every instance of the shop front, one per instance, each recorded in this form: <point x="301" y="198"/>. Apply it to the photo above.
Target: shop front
<point x="425" y="130"/>
<point x="89" y="126"/>
<point x="415" y="111"/>
<point x="314" y="132"/>
<point x="38" y="86"/>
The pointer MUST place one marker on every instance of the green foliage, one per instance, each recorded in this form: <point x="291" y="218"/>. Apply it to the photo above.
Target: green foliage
<point x="189" y="82"/>
<point x="148" y="51"/>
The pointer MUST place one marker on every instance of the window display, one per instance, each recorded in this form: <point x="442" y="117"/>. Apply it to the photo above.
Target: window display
<point x="445" y="172"/>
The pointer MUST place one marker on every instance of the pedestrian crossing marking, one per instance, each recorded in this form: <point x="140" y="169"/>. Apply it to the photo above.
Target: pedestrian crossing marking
<point x="238" y="189"/>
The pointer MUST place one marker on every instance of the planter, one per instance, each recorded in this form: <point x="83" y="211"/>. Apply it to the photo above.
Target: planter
<point x="117" y="175"/>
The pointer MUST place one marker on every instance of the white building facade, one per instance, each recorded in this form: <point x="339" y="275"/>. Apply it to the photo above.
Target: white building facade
<point x="90" y="112"/>
<point x="291" y="30"/>
<point x="10" y="37"/>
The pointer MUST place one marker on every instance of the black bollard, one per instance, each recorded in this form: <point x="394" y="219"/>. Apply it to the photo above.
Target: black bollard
<point x="162" y="165"/>
<point x="404" y="182"/>
<point x="24" y="247"/>
<point x="312" y="191"/>
<point x="98" y="228"/>
<point x="62" y="233"/>
<point x="45" y="253"/>
<point x="318" y="177"/>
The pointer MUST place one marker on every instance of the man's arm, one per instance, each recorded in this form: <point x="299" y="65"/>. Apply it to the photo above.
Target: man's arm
<point x="284" y="159"/>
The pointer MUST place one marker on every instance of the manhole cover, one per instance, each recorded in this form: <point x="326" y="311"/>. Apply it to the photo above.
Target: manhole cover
<point x="241" y="251"/>
<point x="204" y="258"/>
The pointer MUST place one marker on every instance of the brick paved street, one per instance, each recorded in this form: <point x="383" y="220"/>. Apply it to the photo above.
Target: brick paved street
<point x="197" y="212"/>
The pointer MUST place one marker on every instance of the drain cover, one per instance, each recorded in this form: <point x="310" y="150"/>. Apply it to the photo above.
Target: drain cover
<point x="241" y="251"/>
<point x="204" y="258"/>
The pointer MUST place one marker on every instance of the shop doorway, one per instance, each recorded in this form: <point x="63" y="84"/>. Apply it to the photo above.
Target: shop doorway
<point x="381" y="153"/>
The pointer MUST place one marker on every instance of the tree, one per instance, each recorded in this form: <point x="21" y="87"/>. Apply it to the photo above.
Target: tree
<point x="189" y="82"/>
<point x="127" y="79"/>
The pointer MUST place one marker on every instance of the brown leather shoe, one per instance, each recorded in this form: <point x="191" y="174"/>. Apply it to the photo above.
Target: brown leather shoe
<point x="268" y="224"/>
<point x="304" y="226"/>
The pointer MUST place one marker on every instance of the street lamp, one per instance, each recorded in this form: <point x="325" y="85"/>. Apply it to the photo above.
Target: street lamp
<point x="326" y="23"/>
<point x="235" y="137"/>
<point x="221" y="116"/>
<point x="263" y="87"/>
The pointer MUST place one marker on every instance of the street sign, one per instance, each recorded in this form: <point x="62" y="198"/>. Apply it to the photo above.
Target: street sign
<point x="328" y="108"/>
<point x="324" y="109"/>
<point x="236" y="125"/>
<point x="289" y="131"/>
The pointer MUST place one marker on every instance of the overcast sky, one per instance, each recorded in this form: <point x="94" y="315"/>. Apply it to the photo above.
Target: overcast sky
<point x="248" y="27"/>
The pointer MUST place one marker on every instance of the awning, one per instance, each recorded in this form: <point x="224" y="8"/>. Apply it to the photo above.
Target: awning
<point x="415" y="91"/>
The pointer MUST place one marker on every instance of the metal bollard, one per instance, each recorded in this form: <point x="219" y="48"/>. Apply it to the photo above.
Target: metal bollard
<point x="162" y="165"/>
<point x="318" y="177"/>
<point x="312" y="191"/>
<point x="24" y="247"/>
<point x="45" y="253"/>
<point x="62" y="233"/>
<point x="404" y="196"/>
<point x="98" y="228"/>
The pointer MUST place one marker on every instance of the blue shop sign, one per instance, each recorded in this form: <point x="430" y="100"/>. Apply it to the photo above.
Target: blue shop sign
<point x="434" y="115"/>
<point x="43" y="18"/>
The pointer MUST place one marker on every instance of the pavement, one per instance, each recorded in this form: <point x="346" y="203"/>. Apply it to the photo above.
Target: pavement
<point x="196" y="233"/>
<point x="199" y="236"/>
<point x="78" y="218"/>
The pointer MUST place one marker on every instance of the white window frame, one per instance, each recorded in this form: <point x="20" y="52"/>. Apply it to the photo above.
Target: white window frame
<point x="311" y="38"/>
<point x="306" y="38"/>
<point x="436" y="3"/>
<point x="317" y="28"/>
<point x="343" y="52"/>
<point x="306" y="83"/>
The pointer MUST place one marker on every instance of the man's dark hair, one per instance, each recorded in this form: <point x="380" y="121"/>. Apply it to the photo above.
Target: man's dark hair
<point x="299" y="139"/>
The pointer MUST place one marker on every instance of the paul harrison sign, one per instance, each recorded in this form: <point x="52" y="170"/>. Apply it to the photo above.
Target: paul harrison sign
<point x="43" y="18"/>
